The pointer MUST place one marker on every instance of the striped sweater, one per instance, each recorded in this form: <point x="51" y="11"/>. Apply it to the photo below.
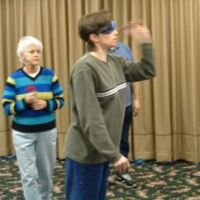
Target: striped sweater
<point x="18" y="85"/>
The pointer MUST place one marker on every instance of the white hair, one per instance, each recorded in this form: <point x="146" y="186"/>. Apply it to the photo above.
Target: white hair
<point x="26" y="42"/>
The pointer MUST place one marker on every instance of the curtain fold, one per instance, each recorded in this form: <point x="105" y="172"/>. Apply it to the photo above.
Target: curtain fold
<point x="168" y="126"/>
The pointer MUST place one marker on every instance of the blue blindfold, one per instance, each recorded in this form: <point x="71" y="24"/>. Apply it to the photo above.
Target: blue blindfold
<point x="108" y="28"/>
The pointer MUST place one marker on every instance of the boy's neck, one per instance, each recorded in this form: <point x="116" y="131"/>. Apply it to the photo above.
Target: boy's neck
<point x="100" y="54"/>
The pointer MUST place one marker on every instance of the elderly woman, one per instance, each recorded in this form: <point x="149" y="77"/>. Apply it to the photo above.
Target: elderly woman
<point x="32" y="94"/>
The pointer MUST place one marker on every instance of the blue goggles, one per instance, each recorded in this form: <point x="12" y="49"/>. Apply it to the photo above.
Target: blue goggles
<point x="108" y="28"/>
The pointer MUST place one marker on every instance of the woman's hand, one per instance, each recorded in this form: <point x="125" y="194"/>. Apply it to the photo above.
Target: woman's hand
<point x="39" y="104"/>
<point x="136" y="107"/>
<point x="31" y="97"/>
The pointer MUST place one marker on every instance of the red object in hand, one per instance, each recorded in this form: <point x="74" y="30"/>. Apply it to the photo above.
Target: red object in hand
<point x="31" y="88"/>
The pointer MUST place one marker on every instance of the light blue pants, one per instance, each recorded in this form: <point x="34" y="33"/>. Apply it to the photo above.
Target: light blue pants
<point x="36" y="155"/>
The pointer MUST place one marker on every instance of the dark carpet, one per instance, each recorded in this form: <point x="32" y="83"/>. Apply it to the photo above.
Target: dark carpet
<point x="160" y="181"/>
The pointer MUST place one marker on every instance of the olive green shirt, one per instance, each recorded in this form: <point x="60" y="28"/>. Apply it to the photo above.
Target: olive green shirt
<point x="98" y="95"/>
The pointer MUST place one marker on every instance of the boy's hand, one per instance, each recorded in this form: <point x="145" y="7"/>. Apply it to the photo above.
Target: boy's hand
<point x="137" y="30"/>
<point x="122" y="165"/>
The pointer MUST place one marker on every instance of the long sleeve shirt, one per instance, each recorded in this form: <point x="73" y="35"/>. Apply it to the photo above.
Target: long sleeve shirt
<point x="98" y="95"/>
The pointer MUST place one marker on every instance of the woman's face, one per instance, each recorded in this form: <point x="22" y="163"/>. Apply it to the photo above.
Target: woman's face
<point x="32" y="55"/>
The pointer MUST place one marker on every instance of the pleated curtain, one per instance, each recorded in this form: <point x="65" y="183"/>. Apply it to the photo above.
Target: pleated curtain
<point x="168" y="126"/>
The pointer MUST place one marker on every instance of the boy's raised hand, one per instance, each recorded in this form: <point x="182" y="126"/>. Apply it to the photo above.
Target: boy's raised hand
<point x="138" y="31"/>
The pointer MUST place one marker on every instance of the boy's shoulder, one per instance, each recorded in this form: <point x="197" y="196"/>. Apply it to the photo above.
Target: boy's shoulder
<point x="85" y="59"/>
<point x="84" y="62"/>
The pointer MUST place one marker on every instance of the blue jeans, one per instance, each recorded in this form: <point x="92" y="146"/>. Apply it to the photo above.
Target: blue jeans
<point x="86" y="181"/>
<point x="36" y="155"/>
<point x="124" y="144"/>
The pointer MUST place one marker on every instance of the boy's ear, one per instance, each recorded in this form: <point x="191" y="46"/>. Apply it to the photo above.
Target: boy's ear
<point x="93" y="37"/>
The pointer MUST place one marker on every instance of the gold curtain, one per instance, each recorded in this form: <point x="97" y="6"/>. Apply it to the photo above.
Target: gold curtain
<point x="168" y="127"/>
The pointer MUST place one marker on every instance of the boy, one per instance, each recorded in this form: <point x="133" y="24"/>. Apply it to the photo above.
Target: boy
<point x="98" y="90"/>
